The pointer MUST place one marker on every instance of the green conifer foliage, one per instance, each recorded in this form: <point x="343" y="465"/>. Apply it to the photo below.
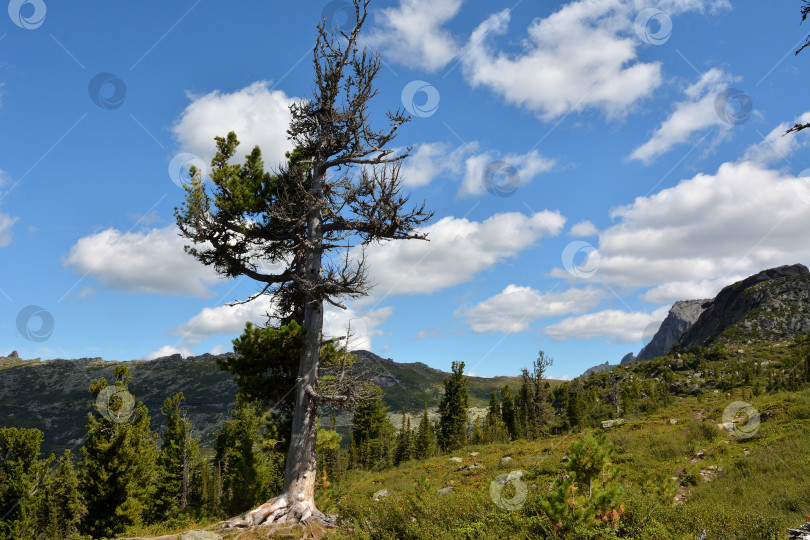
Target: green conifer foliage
<point x="453" y="410"/>
<point x="21" y="474"/>
<point x="404" y="441"/>
<point x="424" y="444"/>
<point x="508" y="413"/>
<point x="178" y="462"/>
<point x="372" y="434"/>
<point x="62" y="506"/>
<point x="250" y="470"/>
<point x="118" y="459"/>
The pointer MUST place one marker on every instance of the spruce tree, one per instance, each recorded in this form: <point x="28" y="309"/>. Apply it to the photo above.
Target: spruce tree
<point x="424" y="443"/>
<point x="62" y="506"/>
<point x="574" y="409"/>
<point x="372" y="432"/>
<point x="118" y="459"/>
<point x="248" y="474"/>
<point x="177" y="463"/>
<point x="493" y="427"/>
<point x="508" y="413"/>
<point x="21" y="475"/>
<point x="329" y="457"/>
<point x="453" y="410"/>
<point x="404" y="441"/>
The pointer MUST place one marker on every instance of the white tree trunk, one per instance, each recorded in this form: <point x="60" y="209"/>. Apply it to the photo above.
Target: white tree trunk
<point x="296" y="503"/>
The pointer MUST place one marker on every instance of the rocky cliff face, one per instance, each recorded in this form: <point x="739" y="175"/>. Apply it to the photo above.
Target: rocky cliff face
<point x="773" y="305"/>
<point x="628" y="358"/>
<point x="680" y="318"/>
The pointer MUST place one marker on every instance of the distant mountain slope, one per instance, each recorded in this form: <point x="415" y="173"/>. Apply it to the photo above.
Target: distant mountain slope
<point x="772" y="305"/>
<point x="53" y="395"/>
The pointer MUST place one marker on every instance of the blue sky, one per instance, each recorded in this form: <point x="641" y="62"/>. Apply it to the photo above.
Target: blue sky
<point x="632" y="151"/>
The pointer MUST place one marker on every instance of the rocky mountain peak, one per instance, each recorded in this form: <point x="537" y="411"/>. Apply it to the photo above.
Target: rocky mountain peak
<point x="681" y="317"/>
<point x="771" y="305"/>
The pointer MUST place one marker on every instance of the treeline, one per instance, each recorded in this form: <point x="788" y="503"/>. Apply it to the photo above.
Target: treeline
<point x="536" y="409"/>
<point x="123" y="476"/>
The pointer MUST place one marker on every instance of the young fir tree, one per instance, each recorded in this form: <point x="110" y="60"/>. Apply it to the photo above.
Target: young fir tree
<point x="62" y="506"/>
<point x="118" y="459"/>
<point x="574" y="410"/>
<point x="453" y="410"/>
<point x="508" y="413"/>
<point x="424" y="443"/>
<point x="292" y="232"/>
<point x="21" y="475"/>
<point x="178" y="462"/>
<point x="330" y="461"/>
<point x="372" y="434"/>
<point x="588" y="493"/>
<point x="494" y="430"/>
<point x="404" y="441"/>
<point x="248" y="474"/>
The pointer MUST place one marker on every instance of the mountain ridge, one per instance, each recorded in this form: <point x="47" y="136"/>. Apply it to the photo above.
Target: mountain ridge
<point x="53" y="396"/>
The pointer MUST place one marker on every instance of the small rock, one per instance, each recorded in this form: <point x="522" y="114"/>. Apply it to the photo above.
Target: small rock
<point x="677" y="356"/>
<point x="473" y="454"/>
<point x="200" y="535"/>
<point x="565" y="459"/>
<point x="672" y="421"/>
<point x="445" y="490"/>
<point x="740" y="351"/>
<point x="746" y="452"/>
<point x="506" y="460"/>
<point x="380" y="494"/>
<point x="14" y="354"/>
<point x="469" y="467"/>
<point x="456" y="459"/>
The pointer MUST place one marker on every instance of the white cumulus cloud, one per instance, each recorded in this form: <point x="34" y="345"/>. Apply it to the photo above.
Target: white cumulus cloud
<point x="141" y="262"/>
<point x="583" y="229"/>
<point x="458" y="249"/>
<point x="582" y="56"/>
<point x="259" y="116"/>
<point x="514" y="308"/>
<point x="168" y="350"/>
<point x="690" y="116"/>
<point x="615" y="325"/>
<point x="231" y="319"/>
<point x="411" y="33"/>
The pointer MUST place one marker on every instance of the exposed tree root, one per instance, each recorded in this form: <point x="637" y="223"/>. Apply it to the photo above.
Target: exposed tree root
<point x="279" y="511"/>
